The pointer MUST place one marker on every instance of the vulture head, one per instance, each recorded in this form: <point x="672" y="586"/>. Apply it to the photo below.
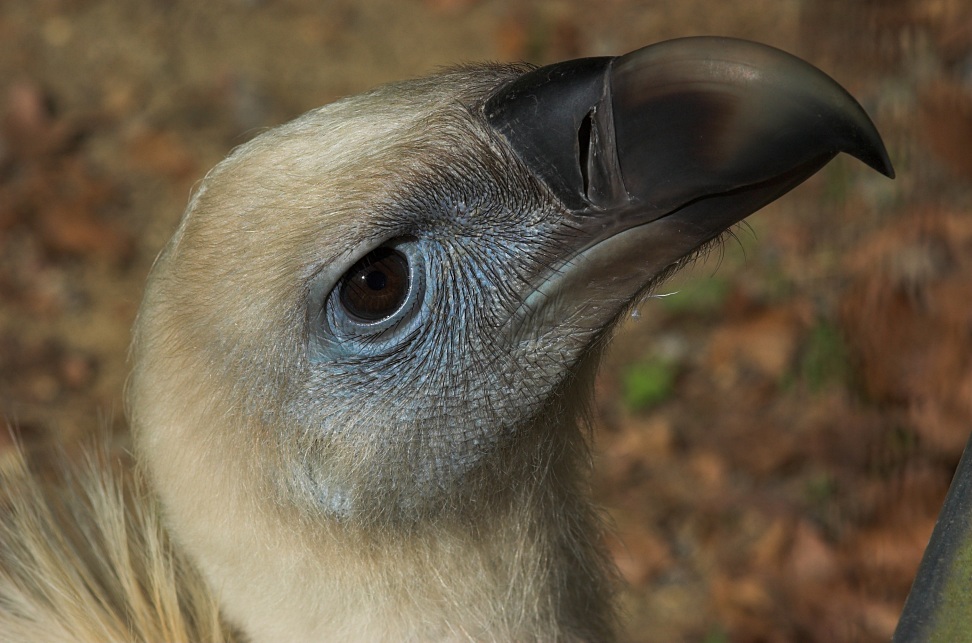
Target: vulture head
<point x="363" y="361"/>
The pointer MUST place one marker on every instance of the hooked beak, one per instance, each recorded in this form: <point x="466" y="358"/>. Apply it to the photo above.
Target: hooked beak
<point x="657" y="152"/>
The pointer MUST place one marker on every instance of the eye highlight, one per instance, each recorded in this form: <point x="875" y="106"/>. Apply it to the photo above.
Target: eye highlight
<point x="376" y="287"/>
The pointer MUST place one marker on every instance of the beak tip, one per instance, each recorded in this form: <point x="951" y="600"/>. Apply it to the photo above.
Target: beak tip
<point x="885" y="167"/>
<point x="872" y="152"/>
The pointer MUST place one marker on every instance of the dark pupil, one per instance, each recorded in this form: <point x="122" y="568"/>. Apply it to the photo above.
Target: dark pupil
<point x="376" y="280"/>
<point x="376" y="286"/>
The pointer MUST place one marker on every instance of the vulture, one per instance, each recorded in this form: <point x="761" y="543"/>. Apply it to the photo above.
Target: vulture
<point x="363" y="364"/>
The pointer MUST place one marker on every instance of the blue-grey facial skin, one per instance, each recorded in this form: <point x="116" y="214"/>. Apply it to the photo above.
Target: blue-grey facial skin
<point x="442" y="394"/>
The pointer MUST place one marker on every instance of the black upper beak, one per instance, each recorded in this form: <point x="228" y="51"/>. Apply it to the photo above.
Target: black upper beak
<point x="707" y="129"/>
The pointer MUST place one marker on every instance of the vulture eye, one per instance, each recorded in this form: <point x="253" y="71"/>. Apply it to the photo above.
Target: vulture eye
<point x="376" y="287"/>
<point x="373" y="306"/>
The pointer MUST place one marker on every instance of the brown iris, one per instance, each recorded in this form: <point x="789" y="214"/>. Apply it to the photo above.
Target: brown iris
<point x="376" y="286"/>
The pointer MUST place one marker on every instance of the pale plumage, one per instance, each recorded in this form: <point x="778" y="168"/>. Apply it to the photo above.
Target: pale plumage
<point x="85" y="558"/>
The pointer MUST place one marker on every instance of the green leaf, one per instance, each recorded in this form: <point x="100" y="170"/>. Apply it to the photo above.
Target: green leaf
<point x="647" y="384"/>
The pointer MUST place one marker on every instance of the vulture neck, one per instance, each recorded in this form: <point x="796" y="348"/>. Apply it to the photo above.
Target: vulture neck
<point x="528" y="569"/>
<point x="524" y="564"/>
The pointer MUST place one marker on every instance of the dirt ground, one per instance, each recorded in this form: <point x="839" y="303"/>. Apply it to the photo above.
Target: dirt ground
<point x="774" y="440"/>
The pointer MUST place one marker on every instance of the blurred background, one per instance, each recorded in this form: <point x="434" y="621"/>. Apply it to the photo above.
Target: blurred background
<point x="774" y="439"/>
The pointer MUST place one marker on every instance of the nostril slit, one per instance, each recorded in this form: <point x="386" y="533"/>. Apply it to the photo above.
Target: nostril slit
<point x="584" y="148"/>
